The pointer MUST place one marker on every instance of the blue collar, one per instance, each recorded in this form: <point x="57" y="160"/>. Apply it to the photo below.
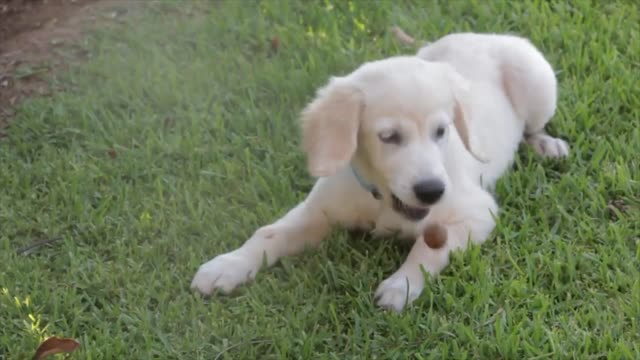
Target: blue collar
<point x="366" y="185"/>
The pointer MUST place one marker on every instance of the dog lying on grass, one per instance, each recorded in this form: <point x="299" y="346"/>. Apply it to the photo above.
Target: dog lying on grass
<point x="406" y="143"/>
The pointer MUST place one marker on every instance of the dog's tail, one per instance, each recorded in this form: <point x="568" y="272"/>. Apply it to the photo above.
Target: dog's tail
<point x="406" y="39"/>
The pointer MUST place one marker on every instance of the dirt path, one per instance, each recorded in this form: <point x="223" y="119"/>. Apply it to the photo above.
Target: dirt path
<point x="37" y="37"/>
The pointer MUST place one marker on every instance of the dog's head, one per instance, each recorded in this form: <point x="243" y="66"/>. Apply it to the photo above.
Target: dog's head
<point x="392" y="120"/>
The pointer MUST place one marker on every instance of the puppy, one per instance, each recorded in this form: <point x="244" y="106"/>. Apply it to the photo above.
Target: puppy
<point x="405" y="143"/>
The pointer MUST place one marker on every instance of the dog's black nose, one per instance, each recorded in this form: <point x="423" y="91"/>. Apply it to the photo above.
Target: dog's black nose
<point x="430" y="191"/>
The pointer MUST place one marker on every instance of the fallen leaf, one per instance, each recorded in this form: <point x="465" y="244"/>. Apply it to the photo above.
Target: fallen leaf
<point x="46" y="241"/>
<point x="55" y="345"/>
<point x="615" y="207"/>
<point x="169" y="122"/>
<point x="402" y="36"/>
<point x="618" y="204"/>
<point x="275" y="44"/>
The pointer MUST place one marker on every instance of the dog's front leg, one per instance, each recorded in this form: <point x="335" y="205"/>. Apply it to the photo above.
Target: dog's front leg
<point x="303" y="226"/>
<point x="467" y="222"/>
<point x="407" y="283"/>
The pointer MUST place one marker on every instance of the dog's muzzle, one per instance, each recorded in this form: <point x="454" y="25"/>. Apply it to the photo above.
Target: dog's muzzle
<point x="410" y="212"/>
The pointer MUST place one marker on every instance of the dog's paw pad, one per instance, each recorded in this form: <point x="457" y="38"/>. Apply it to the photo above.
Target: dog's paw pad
<point x="548" y="146"/>
<point x="224" y="273"/>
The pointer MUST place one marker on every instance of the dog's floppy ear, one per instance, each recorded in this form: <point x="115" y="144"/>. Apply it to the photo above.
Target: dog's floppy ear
<point x="330" y="127"/>
<point x="461" y="112"/>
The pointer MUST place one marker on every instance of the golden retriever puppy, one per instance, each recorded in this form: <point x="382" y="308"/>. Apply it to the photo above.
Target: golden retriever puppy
<point x="404" y="143"/>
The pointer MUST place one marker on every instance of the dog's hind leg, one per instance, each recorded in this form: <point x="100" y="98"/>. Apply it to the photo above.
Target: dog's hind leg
<point x="531" y="86"/>
<point x="547" y="145"/>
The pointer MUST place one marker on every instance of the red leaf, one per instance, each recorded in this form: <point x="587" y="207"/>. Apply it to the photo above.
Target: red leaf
<point x="55" y="345"/>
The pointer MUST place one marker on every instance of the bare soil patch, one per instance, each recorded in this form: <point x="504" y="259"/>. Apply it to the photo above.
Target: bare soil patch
<point x="36" y="37"/>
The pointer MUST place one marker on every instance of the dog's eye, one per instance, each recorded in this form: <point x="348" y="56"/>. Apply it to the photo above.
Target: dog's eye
<point x="440" y="131"/>
<point x="390" y="137"/>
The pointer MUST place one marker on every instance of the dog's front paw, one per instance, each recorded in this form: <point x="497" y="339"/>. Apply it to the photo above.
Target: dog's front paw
<point x="224" y="273"/>
<point x="548" y="146"/>
<point x="399" y="290"/>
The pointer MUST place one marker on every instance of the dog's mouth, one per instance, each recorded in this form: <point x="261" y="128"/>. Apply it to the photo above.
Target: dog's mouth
<point x="409" y="212"/>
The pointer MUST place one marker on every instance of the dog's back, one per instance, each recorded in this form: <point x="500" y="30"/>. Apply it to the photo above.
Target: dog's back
<point x="512" y="90"/>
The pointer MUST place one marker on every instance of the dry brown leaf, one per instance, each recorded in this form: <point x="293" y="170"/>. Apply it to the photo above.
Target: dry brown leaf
<point x="402" y="36"/>
<point x="275" y="43"/>
<point x="169" y="122"/>
<point x="55" y="345"/>
<point x="615" y="207"/>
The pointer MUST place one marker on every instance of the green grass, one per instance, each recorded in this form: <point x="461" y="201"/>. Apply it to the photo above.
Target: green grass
<point x="178" y="138"/>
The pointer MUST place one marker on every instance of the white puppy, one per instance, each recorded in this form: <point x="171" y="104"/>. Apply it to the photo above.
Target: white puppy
<point x="406" y="142"/>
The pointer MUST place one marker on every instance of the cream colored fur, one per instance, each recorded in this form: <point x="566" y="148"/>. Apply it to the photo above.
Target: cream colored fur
<point x="486" y="91"/>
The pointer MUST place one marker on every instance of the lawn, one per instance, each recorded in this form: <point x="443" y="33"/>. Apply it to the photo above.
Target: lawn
<point x="178" y="137"/>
